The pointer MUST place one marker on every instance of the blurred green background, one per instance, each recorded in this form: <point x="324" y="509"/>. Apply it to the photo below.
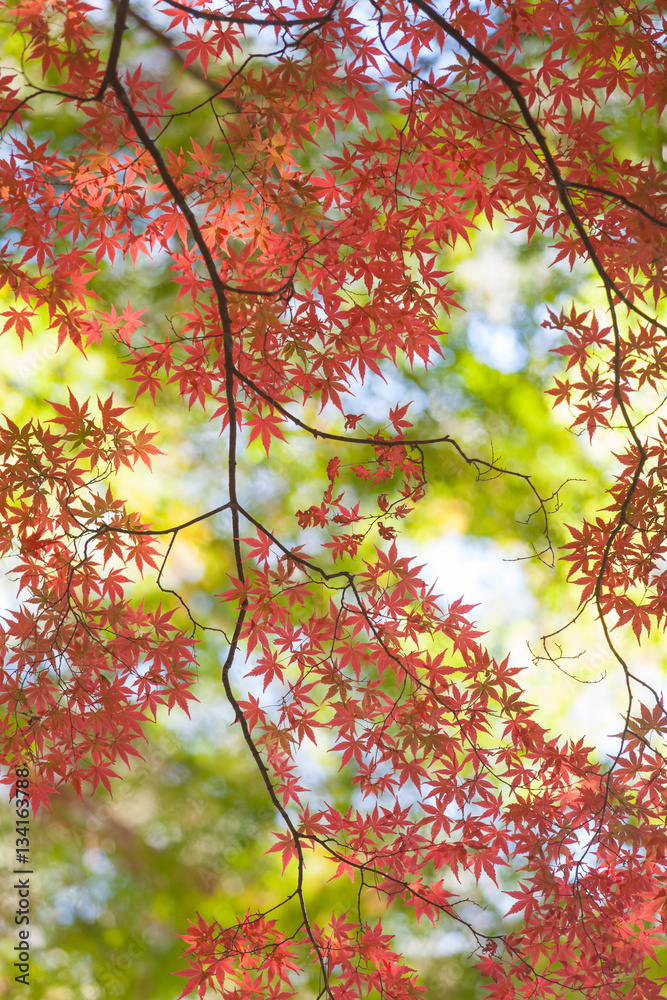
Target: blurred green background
<point x="186" y="830"/>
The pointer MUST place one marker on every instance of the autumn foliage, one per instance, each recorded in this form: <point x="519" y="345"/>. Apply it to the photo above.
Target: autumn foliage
<point x="347" y="145"/>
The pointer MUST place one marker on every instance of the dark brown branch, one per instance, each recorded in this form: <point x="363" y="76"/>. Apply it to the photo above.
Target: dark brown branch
<point x="164" y="531"/>
<point x="114" y="51"/>
<point x="482" y="466"/>
<point x="514" y="88"/>
<point x="166" y="42"/>
<point x="278" y="22"/>
<point x="611" y="290"/>
<point x="218" y="287"/>
<point x="616" y="196"/>
<point x="228" y="348"/>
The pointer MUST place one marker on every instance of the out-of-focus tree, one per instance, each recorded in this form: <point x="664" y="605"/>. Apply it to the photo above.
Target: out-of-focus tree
<point x="246" y="229"/>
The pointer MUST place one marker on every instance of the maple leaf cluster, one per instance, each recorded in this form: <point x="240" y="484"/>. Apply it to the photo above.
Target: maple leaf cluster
<point x="304" y="234"/>
<point x="81" y="667"/>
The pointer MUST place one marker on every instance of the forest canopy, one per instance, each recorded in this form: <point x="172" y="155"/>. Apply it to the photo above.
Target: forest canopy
<point x="333" y="488"/>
